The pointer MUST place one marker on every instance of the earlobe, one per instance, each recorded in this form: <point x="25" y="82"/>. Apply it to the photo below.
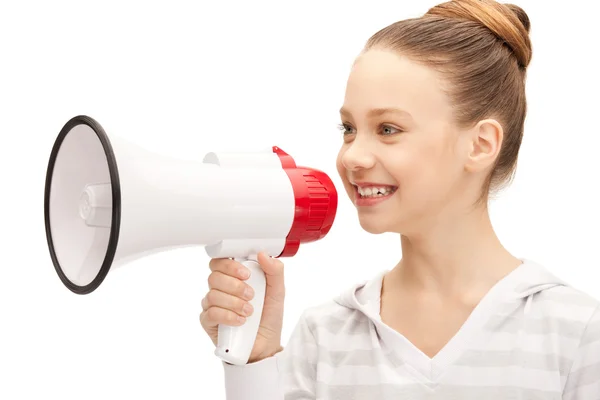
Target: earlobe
<point x="486" y="142"/>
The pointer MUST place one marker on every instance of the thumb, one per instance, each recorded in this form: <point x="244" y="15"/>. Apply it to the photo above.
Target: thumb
<point x="273" y="269"/>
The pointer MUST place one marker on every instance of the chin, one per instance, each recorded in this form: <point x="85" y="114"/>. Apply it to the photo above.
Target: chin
<point x="373" y="225"/>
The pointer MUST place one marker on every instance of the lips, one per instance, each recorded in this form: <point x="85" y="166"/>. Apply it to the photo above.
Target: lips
<point x="374" y="191"/>
<point x="369" y="194"/>
<point x="366" y="189"/>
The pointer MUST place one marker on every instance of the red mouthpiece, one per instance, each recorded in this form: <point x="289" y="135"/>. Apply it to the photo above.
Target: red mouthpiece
<point x="316" y="204"/>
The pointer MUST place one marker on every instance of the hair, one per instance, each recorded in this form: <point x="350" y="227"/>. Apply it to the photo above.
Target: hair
<point x="482" y="49"/>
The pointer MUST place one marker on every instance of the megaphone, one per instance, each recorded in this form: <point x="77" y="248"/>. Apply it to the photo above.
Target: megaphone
<point x="108" y="202"/>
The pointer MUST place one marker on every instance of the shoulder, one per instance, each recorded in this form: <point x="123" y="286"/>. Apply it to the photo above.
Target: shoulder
<point x="347" y="316"/>
<point x="568" y="304"/>
<point x="555" y="300"/>
<point x="567" y="317"/>
<point x="574" y="318"/>
<point x="332" y="318"/>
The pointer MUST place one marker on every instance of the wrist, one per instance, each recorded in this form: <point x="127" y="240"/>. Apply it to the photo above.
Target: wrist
<point x="265" y="355"/>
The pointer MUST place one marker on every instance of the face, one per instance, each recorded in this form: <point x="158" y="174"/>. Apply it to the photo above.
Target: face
<point x="402" y="161"/>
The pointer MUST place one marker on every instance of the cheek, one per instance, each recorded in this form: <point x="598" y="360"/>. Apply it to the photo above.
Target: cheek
<point x="340" y="167"/>
<point x="422" y="173"/>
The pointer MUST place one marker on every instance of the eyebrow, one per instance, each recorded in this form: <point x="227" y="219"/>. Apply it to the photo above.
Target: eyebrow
<point x="376" y="112"/>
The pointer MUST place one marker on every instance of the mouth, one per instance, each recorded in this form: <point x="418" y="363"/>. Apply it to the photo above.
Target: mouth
<point x="373" y="192"/>
<point x="369" y="191"/>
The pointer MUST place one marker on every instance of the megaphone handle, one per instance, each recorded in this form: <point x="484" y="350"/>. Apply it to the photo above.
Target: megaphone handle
<point x="235" y="343"/>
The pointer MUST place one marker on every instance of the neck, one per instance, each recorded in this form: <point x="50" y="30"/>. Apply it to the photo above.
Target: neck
<point x="460" y="256"/>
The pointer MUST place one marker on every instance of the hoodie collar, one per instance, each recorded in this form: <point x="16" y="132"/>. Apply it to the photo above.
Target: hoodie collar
<point x="519" y="285"/>
<point x="526" y="280"/>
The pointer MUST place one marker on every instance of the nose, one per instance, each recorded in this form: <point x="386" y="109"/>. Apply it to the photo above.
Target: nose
<point x="357" y="156"/>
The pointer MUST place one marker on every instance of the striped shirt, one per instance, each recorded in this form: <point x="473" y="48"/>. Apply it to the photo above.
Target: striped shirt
<point x="531" y="337"/>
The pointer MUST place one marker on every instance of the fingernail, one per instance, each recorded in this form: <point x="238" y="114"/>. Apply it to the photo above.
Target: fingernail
<point x="248" y="293"/>
<point x="244" y="273"/>
<point x="247" y="309"/>
<point x="240" y="318"/>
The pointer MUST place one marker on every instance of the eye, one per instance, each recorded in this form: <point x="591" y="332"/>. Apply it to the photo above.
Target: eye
<point x="346" y="129"/>
<point x="388" y="130"/>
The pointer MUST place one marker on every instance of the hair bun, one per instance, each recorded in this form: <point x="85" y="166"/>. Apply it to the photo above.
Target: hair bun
<point x="508" y="22"/>
<point x="521" y="14"/>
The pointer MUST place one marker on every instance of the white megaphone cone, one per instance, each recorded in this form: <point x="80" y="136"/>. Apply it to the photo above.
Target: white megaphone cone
<point x="108" y="202"/>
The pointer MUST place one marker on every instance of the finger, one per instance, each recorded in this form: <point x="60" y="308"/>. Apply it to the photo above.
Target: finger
<point x="219" y="316"/>
<point x="230" y="285"/>
<point x="204" y="303"/>
<point x="274" y="273"/>
<point x="273" y="267"/>
<point x="229" y="267"/>
<point x="216" y="298"/>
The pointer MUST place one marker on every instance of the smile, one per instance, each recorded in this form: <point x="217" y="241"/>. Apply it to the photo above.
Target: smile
<point x="371" y="195"/>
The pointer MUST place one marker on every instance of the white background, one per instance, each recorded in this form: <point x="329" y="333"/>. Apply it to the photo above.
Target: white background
<point x="186" y="78"/>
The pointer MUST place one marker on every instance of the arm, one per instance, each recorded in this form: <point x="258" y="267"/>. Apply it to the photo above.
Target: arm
<point x="583" y="382"/>
<point x="290" y="373"/>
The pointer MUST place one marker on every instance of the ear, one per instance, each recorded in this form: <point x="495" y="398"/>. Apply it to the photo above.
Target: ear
<point x="486" y="142"/>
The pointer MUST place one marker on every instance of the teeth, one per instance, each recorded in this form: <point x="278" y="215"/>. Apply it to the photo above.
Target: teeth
<point x="375" y="191"/>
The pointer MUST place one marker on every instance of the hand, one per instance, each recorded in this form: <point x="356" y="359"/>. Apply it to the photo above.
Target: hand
<point x="227" y="298"/>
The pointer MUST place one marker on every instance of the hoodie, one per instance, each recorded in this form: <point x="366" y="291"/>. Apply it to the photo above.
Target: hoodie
<point x="532" y="336"/>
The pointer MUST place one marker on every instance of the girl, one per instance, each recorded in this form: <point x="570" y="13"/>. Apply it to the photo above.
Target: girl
<point x="432" y="122"/>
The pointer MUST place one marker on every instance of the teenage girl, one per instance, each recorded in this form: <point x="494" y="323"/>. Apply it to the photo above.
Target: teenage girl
<point x="432" y="122"/>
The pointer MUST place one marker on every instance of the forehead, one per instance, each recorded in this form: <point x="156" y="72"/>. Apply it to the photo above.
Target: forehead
<point x="381" y="79"/>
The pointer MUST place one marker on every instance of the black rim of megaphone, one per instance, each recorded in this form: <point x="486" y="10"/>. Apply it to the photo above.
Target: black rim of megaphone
<point x="116" y="203"/>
